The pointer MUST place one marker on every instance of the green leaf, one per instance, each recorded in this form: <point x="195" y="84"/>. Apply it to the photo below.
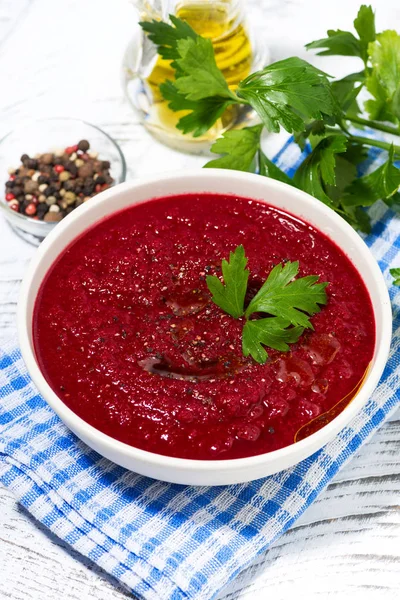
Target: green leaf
<point x="364" y="24"/>
<point x="273" y="332"/>
<point x="203" y="113"/>
<point x="318" y="168"/>
<point x="396" y="103"/>
<point x="384" y="80"/>
<point x="358" y="218"/>
<point x="288" y="93"/>
<point x="394" y="202"/>
<point x="338" y="42"/>
<point x="381" y="184"/>
<point x="200" y="86"/>
<point x="395" y="273"/>
<point x="270" y="169"/>
<point x="230" y="297"/>
<point x="345" y="43"/>
<point x="345" y="173"/>
<point x="293" y="300"/>
<point x="346" y="91"/>
<point x="315" y="130"/>
<point x="239" y="148"/>
<point x="200" y="78"/>
<point x="166" y="36"/>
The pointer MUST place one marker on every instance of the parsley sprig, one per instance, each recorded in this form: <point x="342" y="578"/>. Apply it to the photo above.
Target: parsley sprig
<point x="293" y="94"/>
<point x="288" y="302"/>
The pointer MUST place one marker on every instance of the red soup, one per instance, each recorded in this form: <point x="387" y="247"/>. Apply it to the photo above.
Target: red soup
<point x="126" y="333"/>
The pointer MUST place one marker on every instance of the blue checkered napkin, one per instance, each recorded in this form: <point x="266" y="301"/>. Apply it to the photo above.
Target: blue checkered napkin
<point x="170" y="542"/>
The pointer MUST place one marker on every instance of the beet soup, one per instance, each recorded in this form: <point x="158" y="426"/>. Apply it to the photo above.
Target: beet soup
<point x="126" y="333"/>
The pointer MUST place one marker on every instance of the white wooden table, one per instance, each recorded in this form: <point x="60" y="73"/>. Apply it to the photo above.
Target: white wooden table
<point x="63" y="58"/>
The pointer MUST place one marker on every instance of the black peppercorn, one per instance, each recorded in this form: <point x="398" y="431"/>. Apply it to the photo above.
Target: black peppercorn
<point x="42" y="209"/>
<point x="49" y="191"/>
<point x="72" y="168"/>
<point x="89" y="186"/>
<point x="69" y="185"/>
<point x="17" y="190"/>
<point x="83" y="145"/>
<point x="32" y="163"/>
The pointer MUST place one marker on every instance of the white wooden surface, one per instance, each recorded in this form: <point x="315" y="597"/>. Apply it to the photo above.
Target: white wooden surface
<point x="63" y="58"/>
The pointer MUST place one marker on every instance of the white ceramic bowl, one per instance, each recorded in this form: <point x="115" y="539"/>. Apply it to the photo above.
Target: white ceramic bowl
<point x="217" y="472"/>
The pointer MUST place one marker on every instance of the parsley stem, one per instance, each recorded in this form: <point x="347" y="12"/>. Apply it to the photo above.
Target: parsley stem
<point x="373" y="124"/>
<point x="375" y="143"/>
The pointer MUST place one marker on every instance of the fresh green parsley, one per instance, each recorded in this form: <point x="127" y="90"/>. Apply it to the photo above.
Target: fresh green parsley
<point x="199" y="85"/>
<point x="293" y="300"/>
<point x="288" y="301"/>
<point x="272" y="332"/>
<point x="230" y="297"/>
<point x="241" y="150"/>
<point x="318" y="170"/>
<point x="383" y="81"/>
<point x="321" y="112"/>
<point x="288" y="93"/>
<point x="345" y="43"/>
<point x="395" y="273"/>
<point x="382" y="183"/>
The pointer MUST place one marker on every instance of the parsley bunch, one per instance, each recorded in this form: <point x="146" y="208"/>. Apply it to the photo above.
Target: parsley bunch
<point x="297" y="96"/>
<point x="286" y="302"/>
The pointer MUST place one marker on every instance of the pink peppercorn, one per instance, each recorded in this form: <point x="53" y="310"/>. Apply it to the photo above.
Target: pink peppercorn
<point x="59" y="168"/>
<point x="30" y="209"/>
<point x="9" y="196"/>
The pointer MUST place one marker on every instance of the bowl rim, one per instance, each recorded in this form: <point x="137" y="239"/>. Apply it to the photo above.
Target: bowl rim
<point x="19" y="219"/>
<point x="77" y="424"/>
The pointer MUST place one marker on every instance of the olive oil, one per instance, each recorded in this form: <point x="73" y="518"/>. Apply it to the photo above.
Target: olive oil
<point x="218" y="22"/>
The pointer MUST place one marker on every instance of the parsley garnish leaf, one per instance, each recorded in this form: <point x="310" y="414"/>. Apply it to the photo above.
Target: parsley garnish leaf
<point x="293" y="300"/>
<point x="288" y="93"/>
<point x="395" y="273"/>
<point x="289" y="303"/>
<point x="273" y="332"/>
<point x="230" y="297"/>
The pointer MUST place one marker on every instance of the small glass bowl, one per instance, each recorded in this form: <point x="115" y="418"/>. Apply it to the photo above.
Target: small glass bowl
<point x="45" y="135"/>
